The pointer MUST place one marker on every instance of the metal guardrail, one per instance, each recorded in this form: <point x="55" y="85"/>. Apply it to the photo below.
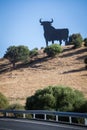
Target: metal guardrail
<point x="45" y="113"/>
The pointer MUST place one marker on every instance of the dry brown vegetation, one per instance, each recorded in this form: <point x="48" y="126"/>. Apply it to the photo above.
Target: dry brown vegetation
<point x="67" y="69"/>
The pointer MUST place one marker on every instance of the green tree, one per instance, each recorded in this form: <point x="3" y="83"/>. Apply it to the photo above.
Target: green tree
<point x="43" y="99"/>
<point x="53" y="50"/>
<point x="3" y="101"/>
<point x="85" y="41"/>
<point x="57" y="98"/>
<point x="76" y="40"/>
<point x="17" y="53"/>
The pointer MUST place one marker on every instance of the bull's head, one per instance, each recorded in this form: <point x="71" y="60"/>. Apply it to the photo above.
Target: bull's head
<point x="46" y="21"/>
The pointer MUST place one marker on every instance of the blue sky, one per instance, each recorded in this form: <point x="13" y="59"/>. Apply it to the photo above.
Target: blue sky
<point x="19" y="20"/>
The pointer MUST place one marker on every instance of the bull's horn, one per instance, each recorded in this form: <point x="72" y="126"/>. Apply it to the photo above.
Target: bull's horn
<point x="40" y="21"/>
<point x="51" y="21"/>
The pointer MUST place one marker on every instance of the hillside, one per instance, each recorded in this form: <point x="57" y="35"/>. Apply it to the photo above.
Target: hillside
<point x="67" y="69"/>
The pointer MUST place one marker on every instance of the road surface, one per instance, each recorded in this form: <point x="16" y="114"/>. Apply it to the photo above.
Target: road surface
<point x="16" y="124"/>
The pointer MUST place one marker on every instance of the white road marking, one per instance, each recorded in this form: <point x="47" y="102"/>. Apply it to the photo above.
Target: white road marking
<point x="44" y="123"/>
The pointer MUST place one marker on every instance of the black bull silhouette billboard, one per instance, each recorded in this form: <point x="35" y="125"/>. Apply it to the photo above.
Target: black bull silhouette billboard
<point x="52" y="34"/>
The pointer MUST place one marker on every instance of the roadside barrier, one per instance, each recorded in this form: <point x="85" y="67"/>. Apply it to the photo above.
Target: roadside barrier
<point x="63" y="117"/>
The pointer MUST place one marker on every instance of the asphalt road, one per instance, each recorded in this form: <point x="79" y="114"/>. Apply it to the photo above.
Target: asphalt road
<point x="16" y="124"/>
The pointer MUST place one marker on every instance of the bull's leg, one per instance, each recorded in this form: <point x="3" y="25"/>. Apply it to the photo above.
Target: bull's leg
<point x="66" y="41"/>
<point x="46" y="43"/>
<point x="52" y="42"/>
<point x="60" y="42"/>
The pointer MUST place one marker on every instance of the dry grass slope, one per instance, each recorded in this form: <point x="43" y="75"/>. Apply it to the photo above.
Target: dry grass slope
<point x="67" y="69"/>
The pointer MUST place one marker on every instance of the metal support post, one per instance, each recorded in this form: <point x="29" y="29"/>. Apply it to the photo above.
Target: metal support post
<point x="70" y="119"/>
<point x="45" y="117"/>
<point x="33" y="116"/>
<point x="85" y="121"/>
<point x="57" y="118"/>
<point x="24" y="115"/>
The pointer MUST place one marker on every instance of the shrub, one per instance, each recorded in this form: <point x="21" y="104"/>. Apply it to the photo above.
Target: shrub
<point x="42" y="47"/>
<point x="77" y="43"/>
<point x="17" y="53"/>
<point x="83" y="108"/>
<point x="76" y="40"/>
<point x="43" y="100"/>
<point x="85" y="41"/>
<point x="34" y="52"/>
<point x="3" y="101"/>
<point x="15" y="107"/>
<point x="85" y="61"/>
<point x="57" y="98"/>
<point x="53" y="50"/>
